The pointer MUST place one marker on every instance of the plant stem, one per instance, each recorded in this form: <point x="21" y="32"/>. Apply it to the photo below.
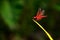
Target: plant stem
<point x="43" y="30"/>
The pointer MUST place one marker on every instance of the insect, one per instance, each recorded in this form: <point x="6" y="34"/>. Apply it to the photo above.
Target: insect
<point x="40" y="15"/>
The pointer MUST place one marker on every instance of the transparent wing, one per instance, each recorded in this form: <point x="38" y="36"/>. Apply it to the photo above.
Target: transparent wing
<point x="42" y="12"/>
<point x="39" y="11"/>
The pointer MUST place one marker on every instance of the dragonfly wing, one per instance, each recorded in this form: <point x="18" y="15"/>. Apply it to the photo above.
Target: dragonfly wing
<point x="39" y="11"/>
<point x="42" y="12"/>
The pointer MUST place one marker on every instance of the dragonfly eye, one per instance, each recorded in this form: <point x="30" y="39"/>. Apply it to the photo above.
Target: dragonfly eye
<point x="35" y="18"/>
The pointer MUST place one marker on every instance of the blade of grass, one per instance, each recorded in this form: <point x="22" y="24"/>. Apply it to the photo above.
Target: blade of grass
<point x="43" y="30"/>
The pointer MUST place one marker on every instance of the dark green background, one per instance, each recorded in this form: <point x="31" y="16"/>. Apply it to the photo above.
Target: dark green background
<point x="16" y="19"/>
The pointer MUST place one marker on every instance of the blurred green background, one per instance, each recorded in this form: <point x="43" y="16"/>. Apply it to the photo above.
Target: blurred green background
<point x="16" y="19"/>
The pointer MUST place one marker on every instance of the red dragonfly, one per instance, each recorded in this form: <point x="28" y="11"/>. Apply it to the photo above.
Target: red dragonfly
<point x="40" y="15"/>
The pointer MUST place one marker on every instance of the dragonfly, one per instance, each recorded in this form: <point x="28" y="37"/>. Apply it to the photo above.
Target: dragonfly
<point x="39" y="15"/>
